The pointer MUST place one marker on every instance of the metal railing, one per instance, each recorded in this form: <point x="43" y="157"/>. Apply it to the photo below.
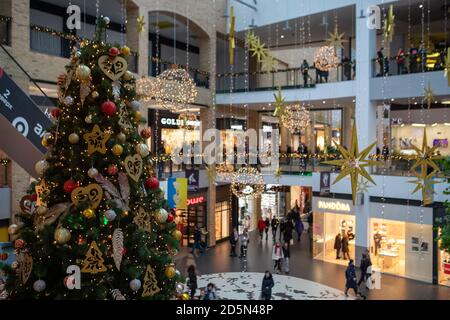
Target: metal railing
<point x="289" y="78"/>
<point x="5" y="30"/>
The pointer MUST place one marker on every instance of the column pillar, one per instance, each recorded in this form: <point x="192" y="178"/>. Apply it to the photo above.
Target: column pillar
<point x="138" y="42"/>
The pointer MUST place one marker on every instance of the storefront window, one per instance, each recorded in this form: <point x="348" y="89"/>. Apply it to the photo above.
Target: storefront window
<point x="175" y="138"/>
<point x="188" y="220"/>
<point x="444" y="268"/>
<point x="223" y="215"/>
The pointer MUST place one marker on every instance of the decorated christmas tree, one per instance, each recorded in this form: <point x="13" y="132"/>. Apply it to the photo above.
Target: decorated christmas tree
<point x="95" y="224"/>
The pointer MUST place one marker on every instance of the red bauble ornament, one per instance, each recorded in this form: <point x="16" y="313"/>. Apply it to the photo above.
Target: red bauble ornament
<point x="112" y="169"/>
<point x="34" y="197"/>
<point x="70" y="185"/>
<point x="109" y="108"/>
<point x="113" y="51"/>
<point x="170" y="217"/>
<point x="152" y="183"/>
<point x="55" y="112"/>
<point x="124" y="251"/>
<point x="146" y="133"/>
<point x="19" y="244"/>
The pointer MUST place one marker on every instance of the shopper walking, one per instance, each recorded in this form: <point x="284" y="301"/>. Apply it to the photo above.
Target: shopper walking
<point x="267" y="285"/>
<point x="299" y="227"/>
<point x="277" y="257"/>
<point x="345" y="247"/>
<point x="267" y="227"/>
<point x="287" y="255"/>
<point x="192" y="281"/>
<point x="275" y="223"/>
<point x="244" y="239"/>
<point x="400" y="58"/>
<point x="304" y="68"/>
<point x="261" y="227"/>
<point x="338" y="245"/>
<point x="350" y="278"/>
<point x="234" y="238"/>
<point x="365" y="264"/>
<point x="197" y="241"/>
<point x="282" y="227"/>
<point x="288" y="228"/>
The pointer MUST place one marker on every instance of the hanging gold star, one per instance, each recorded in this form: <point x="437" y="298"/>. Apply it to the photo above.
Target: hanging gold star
<point x="232" y="36"/>
<point x="279" y="103"/>
<point x="353" y="163"/>
<point x="424" y="159"/>
<point x="96" y="140"/>
<point x="363" y="186"/>
<point x="250" y="38"/>
<point x="428" y="95"/>
<point x="277" y="174"/>
<point x="269" y="63"/>
<point x="389" y="25"/>
<point x="140" y="23"/>
<point x="447" y="67"/>
<point x="336" y="39"/>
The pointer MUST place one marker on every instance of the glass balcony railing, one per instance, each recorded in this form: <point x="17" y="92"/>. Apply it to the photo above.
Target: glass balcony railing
<point x="5" y="30"/>
<point x="291" y="78"/>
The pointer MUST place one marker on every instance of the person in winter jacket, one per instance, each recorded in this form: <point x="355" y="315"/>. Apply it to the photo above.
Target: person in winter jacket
<point x="287" y="255"/>
<point x="282" y="227"/>
<point x="350" y="278"/>
<point x="261" y="227"/>
<point x="288" y="228"/>
<point x="267" y="221"/>
<point x="234" y="238"/>
<point x="244" y="239"/>
<point x="192" y="280"/>
<point x="299" y="227"/>
<point x="267" y="285"/>
<point x="277" y="256"/>
<point x="338" y="245"/>
<point x="365" y="264"/>
<point x="210" y="293"/>
<point x="345" y="247"/>
<point x="275" y="223"/>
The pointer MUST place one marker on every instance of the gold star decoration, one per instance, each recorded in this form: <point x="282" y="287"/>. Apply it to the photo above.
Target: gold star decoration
<point x="140" y="23"/>
<point x="96" y="140"/>
<point x="447" y="67"/>
<point x="250" y="38"/>
<point x="258" y="49"/>
<point x="269" y="63"/>
<point x="389" y="25"/>
<point x="278" y="174"/>
<point x="232" y="36"/>
<point x="424" y="159"/>
<point x="336" y="39"/>
<point x="363" y="186"/>
<point x="428" y="95"/>
<point x="353" y="163"/>
<point x="279" y="103"/>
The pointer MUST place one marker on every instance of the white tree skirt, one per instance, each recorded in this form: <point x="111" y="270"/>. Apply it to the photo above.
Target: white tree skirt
<point x="247" y="286"/>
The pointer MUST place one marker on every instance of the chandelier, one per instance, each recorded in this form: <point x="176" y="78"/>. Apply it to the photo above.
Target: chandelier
<point x="326" y="58"/>
<point x="224" y="172"/>
<point x="144" y="88"/>
<point x="174" y="89"/>
<point x="187" y="121"/>
<point x="247" y="182"/>
<point x="295" y="117"/>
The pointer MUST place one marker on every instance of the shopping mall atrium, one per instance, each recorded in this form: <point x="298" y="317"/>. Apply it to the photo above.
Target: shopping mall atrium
<point x="224" y="150"/>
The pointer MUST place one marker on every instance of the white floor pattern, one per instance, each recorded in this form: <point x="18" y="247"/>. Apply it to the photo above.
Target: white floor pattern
<point x="247" y="286"/>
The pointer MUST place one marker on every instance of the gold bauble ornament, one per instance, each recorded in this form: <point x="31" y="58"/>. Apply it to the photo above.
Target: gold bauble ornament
<point x="121" y="137"/>
<point x="47" y="139"/>
<point x="94" y="94"/>
<point x="125" y="50"/>
<point x="41" y="166"/>
<point x="14" y="265"/>
<point x="83" y="72"/>
<point x="62" y="235"/>
<point x="185" y="296"/>
<point x="41" y="210"/>
<point x="117" y="149"/>
<point x="127" y="75"/>
<point x="89" y="213"/>
<point x="137" y="116"/>
<point x="176" y="234"/>
<point x="12" y="229"/>
<point x="74" y="138"/>
<point x="170" y="272"/>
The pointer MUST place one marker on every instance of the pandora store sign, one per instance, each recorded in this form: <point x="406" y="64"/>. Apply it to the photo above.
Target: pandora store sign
<point x="332" y="205"/>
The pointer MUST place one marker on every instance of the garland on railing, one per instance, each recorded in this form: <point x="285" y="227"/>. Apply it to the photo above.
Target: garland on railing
<point x="159" y="60"/>
<point x="4" y="18"/>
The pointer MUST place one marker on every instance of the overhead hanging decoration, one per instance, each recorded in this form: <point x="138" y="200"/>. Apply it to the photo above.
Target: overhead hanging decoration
<point x="389" y="24"/>
<point x="187" y="121"/>
<point x="259" y="50"/>
<point x="174" y="89"/>
<point x="353" y="162"/>
<point x="428" y="95"/>
<point x="425" y="158"/>
<point x="326" y="58"/>
<point x="224" y="172"/>
<point x="295" y="117"/>
<point x="336" y="39"/>
<point x="279" y="103"/>
<point x="247" y="182"/>
<point x="140" y="23"/>
<point x="144" y="88"/>
<point x="232" y="36"/>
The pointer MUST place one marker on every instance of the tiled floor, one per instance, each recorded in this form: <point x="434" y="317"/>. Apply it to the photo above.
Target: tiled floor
<point x="217" y="260"/>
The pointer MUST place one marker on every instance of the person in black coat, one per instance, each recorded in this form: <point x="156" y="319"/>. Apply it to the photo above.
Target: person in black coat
<point x="267" y="221"/>
<point x="338" y="245"/>
<point x="282" y="227"/>
<point x="365" y="264"/>
<point x="288" y="228"/>
<point x="275" y="223"/>
<point x="267" y="285"/>
<point x="192" y="280"/>
<point x="345" y="247"/>
<point x="350" y="277"/>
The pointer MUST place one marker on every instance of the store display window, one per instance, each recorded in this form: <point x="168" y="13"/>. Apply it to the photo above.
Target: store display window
<point x="188" y="220"/>
<point x="175" y="138"/>
<point x="223" y="216"/>
<point x="443" y="268"/>
<point x="333" y="237"/>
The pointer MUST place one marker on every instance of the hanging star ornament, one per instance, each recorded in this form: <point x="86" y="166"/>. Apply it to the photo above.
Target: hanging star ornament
<point x="389" y="25"/>
<point x="140" y="23"/>
<point x="232" y="36"/>
<point x="269" y="63"/>
<point x="428" y="95"/>
<point x="259" y="51"/>
<point x="363" y="186"/>
<point x="96" y="140"/>
<point x="336" y="39"/>
<point x="279" y="103"/>
<point x="447" y="67"/>
<point x="278" y="174"/>
<point x="425" y="158"/>
<point x="353" y="163"/>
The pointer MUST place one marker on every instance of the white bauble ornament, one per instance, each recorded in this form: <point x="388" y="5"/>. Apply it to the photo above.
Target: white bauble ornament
<point x="110" y="214"/>
<point x="106" y="20"/>
<point x="68" y="100"/>
<point x="92" y="173"/>
<point x="12" y="229"/>
<point x="142" y="149"/>
<point x="77" y="54"/>
<point x="41" y="166"/>
<point x="179" y="288"/>
<point x="39" y="285"/>
<point x="161" y="215"/>
<point x="62" y="235"/>
<point x="135" y="105"/>
<point x="88" y="119"/>
<point x="135" y="284"/>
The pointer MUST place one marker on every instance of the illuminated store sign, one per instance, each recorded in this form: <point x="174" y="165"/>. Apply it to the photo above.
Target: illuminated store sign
<point x="178" y="122"/>
<point x="195" y="200"/>
<point x="333" y="205"/>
